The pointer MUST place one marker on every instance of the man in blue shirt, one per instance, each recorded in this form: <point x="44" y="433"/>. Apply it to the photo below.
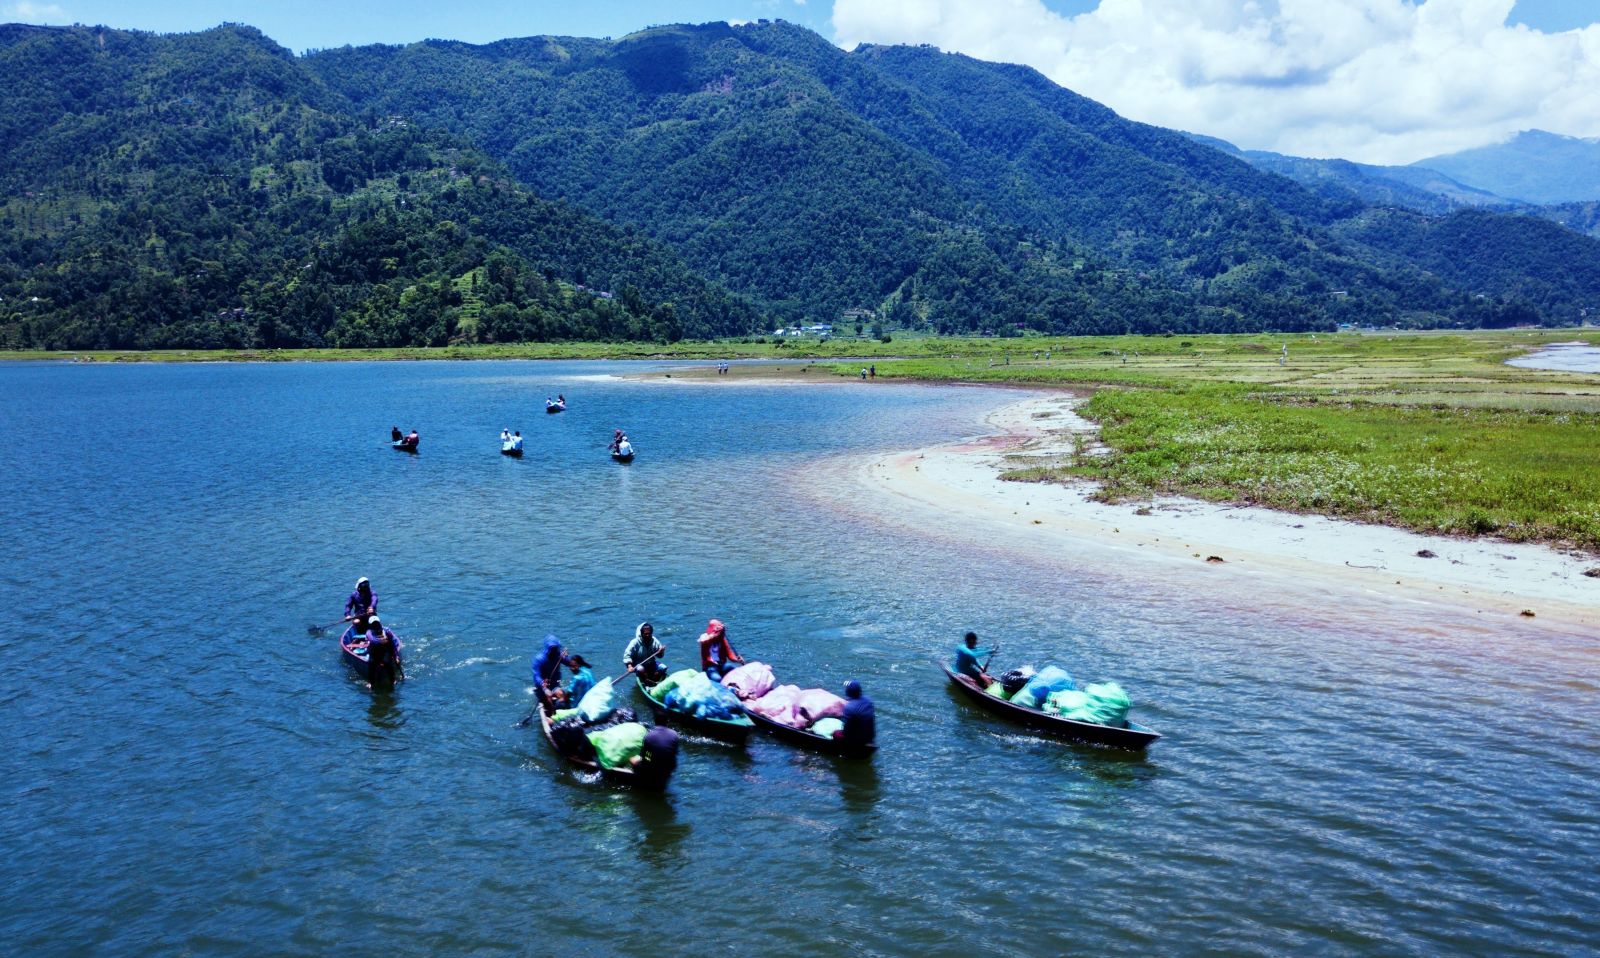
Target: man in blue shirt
<point x="860" y="718"/>
<point x="967" y="656"/>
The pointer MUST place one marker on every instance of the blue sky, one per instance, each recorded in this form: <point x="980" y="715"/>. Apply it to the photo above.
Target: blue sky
<point x="304" y="24"/>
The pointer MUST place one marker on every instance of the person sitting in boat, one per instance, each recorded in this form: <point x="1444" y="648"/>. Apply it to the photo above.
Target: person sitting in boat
<point x="582" y="680"/>
<point x="412" y="438"/>
<point x="516" y="441"/>
<point x="362" y="604"/>
<point x="645" y="646"/>
<point x="617" y="439"/>
<point x="561" y="400"/>
<point x="547" y="673"/>
<point x="624" y="448"/>
<point x="716" y="655"/>
<point x="658" y="757"/>
<point x="860" y="717"/>
<point x="383" y="656"/>
<point x="967" y="655"/>
<point x="394" y="434"/>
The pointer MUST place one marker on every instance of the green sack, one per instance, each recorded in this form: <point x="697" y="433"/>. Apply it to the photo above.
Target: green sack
<point x="1108" y="702"/>
<point x="563" y="713"/>
<point x="1065" y="701"/>
<point x="826" y="727"/>
<point x="997" y="690"/>
<point x="660" y="689"/>
<point x="614" y="746"/>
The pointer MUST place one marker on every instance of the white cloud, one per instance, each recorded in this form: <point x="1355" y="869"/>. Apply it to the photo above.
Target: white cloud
<point x="1382" y="81"/>
<point x="26" y="11"/>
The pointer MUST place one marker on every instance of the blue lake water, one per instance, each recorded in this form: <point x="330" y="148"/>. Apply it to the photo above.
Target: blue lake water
<point x="1565" y="357"/>
<point x="186" y="771"/>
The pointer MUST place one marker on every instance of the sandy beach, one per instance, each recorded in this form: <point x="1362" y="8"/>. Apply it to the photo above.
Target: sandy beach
<point x="956" y="489"/>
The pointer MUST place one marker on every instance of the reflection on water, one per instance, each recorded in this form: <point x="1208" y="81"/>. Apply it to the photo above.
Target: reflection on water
<point x="1382" y="778"/>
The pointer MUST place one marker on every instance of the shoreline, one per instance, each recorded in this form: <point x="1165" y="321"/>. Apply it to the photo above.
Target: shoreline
<point x="957" y="488"/>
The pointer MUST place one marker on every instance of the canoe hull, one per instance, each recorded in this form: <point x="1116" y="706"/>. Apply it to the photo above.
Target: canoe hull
<point x="513" y="453"/>
<point x="811" y="741"/>
<point x="617" y="776"/>
<point x="619" y="457"/>
<point x="734" y="733"/>
<point x="1135" y="736"/>
<point x="404" y="446"/>
<point x="358" y="663"/>
<point x="555" y="409"/>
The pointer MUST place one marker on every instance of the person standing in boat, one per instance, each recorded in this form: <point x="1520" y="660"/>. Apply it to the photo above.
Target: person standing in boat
<point x="860" y="717"/>
<point x="716" y="655"/>
<point x="618" y="437"/>
<point x="516" y="441"/>
<point x="505" y="436"/>
<point x="395" y="435"/>
<point x="967" y="655"/>
<point x="383" y="656"/>
<point x="547" y="673"/>
<point x="362" y="604"/>
<point x="644" y="647"/>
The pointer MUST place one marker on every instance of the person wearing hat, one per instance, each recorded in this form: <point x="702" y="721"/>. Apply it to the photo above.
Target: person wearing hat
<point x="362" y="604"/>
<point x="657" y="758"/>
<point x="383" y="656"/>
<point x="582" y="680"/>
<point x="547" y="674"/>
<point x="860" y="717"/>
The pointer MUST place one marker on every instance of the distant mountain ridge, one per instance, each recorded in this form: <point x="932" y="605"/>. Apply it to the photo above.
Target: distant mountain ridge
<point x="1532" y="167"/>
<point x="684" y="180"/>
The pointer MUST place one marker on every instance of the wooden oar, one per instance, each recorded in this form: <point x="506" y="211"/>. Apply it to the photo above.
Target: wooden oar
<point x="321" y="629"/>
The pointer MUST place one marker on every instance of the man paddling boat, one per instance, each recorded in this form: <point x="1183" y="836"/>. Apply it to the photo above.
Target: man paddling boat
<point x="967" y="655"/>
<point x="362" y="604"/>
<point x="644" y="654"/>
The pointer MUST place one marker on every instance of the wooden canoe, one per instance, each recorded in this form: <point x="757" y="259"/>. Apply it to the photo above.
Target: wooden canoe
<point x="506" y="450"/>
<point x="357" y="658"/>
<point x="807" y="739"/>
<point x="620" y="776"/>
<point x="404" y="446"/>
<point x="619" y="457"/>
<point x="1135" y="736"/>
<point x="723" y="730"/>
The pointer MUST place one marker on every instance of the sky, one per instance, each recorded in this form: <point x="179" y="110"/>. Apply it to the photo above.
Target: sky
<point x="1378" y="81"/>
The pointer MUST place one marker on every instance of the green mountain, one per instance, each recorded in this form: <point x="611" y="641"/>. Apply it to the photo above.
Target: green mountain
<point x="816" y="180"/>
<point x="208" y="190"/>
<point x="212" y="189"/>
<point x="1532" y="167"/>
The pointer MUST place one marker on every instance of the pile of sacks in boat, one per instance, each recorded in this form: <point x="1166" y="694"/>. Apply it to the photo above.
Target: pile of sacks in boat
<point x="1051" y="690"/>
<point x="692" y="691"/>
<point x="596" y="731"/>
<point x="816" y="710"/>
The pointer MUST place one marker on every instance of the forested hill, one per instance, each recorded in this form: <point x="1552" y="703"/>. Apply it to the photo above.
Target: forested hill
<point x="208" y="190"/>
<point x="212" y="188"/>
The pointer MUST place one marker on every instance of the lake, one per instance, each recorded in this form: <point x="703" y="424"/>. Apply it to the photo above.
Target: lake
<point x="1565" y="357"/>
<point x="187" y="771"/>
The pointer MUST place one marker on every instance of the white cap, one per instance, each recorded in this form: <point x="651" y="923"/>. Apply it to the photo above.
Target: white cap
<point x="360" y="581"/>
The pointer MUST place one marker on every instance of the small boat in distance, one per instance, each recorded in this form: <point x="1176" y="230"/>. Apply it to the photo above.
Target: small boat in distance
<point x="355" y="656"/>
<point x="507" y="449"/>
<point x="406" y="445"/>
<point x="558" y="404"/>
<point x="622" y="450"/>
<point x="1134" y="736"/>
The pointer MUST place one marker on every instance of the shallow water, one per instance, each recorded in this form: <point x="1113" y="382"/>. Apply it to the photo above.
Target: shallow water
<point x="1565" y="357"/>
<point x="188" y="772"/>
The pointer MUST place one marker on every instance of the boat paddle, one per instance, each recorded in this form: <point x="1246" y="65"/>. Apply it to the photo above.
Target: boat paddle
<point x="321" y="629"/>
<point x="528" y="719"/>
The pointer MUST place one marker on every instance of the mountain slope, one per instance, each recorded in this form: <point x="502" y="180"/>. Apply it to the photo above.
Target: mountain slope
<point x="1533" y="167"/>
<point x="814" y="179"/>
<point x="207" y="189"/>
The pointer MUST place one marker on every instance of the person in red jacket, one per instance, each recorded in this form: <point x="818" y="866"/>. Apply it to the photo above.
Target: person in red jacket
<point x="716" y="655"/>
